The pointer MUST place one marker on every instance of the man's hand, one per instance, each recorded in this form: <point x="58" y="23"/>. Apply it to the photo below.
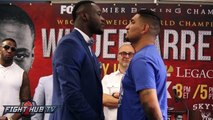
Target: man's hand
<point x="3" y="118"/>
<point x="110" y="101"/>
<point x="116" y="95"/>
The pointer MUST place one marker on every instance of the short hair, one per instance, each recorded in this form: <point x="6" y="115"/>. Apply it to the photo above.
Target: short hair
<point x="9" y="39"/>
<point x="152" y="18"/>
<point x="77" y="6"/>
<point x="12" y="12"/>
<point x="124" y="43"/>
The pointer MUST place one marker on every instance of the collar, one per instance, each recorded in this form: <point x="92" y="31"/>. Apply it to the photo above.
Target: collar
<point x="1" y="66"/>
<point x="86" y="37"/>
<point x="118" y="72"/>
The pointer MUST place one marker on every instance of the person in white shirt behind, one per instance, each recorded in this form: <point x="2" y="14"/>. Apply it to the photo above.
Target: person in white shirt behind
<point x="111" y="83"/>
<point x="43" y="96"/>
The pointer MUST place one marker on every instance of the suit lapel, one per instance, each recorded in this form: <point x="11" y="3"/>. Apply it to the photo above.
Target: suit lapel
<point x="92" y="56"/>
<point x="96" y="65"/>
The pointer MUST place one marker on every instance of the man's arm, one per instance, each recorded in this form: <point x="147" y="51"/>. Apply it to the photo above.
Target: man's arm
<point x="39" y="98"/>
<point x="110" y="101"/>
<point x="25" y="88"/>
<point x="149" y="100"/>
<point x="24" y="93"/>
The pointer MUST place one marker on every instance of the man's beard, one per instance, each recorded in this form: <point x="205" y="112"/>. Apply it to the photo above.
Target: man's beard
<point x="97" y="31"/>
<point x="8" y="59"/>
<point x="126" y="39"/>
<point x="132" y="41"/>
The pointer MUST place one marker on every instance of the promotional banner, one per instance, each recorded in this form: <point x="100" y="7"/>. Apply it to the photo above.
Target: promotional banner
<point x="185" y="44"/>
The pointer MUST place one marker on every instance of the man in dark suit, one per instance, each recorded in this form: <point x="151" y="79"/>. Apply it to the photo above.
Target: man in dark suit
<point x="76" y="72"/>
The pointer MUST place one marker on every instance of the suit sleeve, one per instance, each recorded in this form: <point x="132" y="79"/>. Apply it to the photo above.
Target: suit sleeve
<point x="70" y="59"/>
<point x="39" y="98"/>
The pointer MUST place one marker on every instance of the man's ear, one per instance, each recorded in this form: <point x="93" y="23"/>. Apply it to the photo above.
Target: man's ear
<point x="145" y="28"/>
<point x="84" y="16"/>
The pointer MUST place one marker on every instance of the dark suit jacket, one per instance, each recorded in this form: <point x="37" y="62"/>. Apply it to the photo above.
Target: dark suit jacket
<point x="77" y="85"/>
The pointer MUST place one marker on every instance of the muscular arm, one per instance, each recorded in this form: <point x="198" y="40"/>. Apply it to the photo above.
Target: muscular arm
<point x="24" y="93"/>
<point x="110" y="101"/>
<point x="25" y="88"/>
<point x="149" y="100"/>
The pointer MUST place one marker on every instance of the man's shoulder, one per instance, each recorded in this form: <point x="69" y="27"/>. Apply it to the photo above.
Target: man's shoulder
<point x="46" y="78"/>
<point x="17" y="67"/>
<point x="113" y="74"/>
<point x="71" y="39"/>
<point x="73" y="35"/>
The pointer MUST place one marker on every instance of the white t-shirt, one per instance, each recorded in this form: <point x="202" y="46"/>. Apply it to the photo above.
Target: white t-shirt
<point x="10" y="83"/>
<point x="111" y="83"/>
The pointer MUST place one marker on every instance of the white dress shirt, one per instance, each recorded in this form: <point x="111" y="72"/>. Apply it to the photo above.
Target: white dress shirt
<point x="111" y="83"/>
<point x="43" y="96"/>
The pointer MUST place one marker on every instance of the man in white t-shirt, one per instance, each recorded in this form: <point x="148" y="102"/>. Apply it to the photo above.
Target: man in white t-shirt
<point x="111" y="83"/>
<point x="14" y="81"/>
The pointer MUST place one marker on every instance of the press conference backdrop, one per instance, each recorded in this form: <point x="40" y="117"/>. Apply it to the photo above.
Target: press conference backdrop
<point x="185" y="43"/>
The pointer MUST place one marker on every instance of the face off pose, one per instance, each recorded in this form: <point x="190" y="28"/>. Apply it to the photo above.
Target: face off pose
<point x="77" y="86"/>
<point x="143" y="94"/>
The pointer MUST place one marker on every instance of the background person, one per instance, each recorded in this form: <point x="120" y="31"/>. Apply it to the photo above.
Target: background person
<point x="15" y="23"/>
<point x="76" y="71"/>
<point x="143" y="94"/>
<point x="43" y="96"/>
<point x="111" y="83"/>
<point x="14" y="82"/>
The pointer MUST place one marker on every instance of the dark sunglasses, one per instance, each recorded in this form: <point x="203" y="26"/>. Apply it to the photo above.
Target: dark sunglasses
<point x="124" y="54"/>
<point x="7" y="47"/>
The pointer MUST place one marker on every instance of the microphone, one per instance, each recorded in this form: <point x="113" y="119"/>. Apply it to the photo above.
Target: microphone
<point x="174" y="89"/>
